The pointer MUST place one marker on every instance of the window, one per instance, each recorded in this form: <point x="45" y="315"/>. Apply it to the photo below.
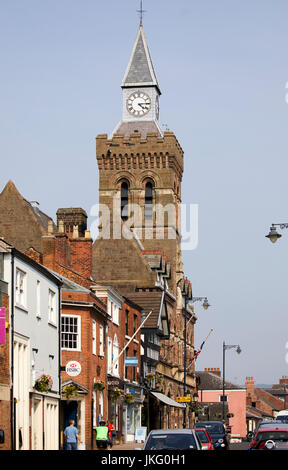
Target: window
<point x="124" y="201"/>
<point x="115" y="366"/>
<point x="94" y="337"/>
<point x="115" y="314"/>
<point x="101" y="341"/>
<point x="135" y="323"/>
<point x="148" y="201"/>
<point x="38" y="299"/>
<point x="52" y="307"/>
<point x="20" y="287"/>
<point x="109" y="356"/>
<point x="71" y="332"/>
<point x="134" y="368"/>
<point x="127" y="322"/>
<point x="223" y="398"/>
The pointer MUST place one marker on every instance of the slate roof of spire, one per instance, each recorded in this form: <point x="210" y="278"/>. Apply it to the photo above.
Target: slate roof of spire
<point x="140" y="70"/>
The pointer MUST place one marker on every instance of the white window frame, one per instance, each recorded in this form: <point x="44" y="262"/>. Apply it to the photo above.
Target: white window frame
<point x="52" y="314"/>
<point x="94" y="338"/>
<point x="78" y="340"/>
<point x="221" y="396"/>
<point x="101" y="340"/>
<point x="115" y="313"/>
<point x="109" y="355"/>
<point x="20" y="288"/>
<point x="115" y="349"/>
<point x="38" y="299"/>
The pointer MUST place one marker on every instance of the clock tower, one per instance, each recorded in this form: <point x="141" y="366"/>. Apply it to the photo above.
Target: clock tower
<point x="140" y="91"/>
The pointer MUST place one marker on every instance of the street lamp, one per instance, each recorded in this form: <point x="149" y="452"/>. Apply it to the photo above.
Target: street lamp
<point x="205" y="304"/>
<point x="238" y="350"/>
<point x="273" y="235"/>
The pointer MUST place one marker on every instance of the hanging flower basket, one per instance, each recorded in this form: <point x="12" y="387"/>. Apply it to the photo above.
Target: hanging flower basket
<point x="159" y="379"/>
<point x="100" y="385"/>
<point x="116" y="394"/>
<point x="230" y="415"/>
<point x="150" y="377"/>
<point x="129" y="398"/>
<point x="70" y="390"/>
<point x="43" y="383"/>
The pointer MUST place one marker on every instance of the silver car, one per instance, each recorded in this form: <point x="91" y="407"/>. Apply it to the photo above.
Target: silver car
<point x="172" y="439"/>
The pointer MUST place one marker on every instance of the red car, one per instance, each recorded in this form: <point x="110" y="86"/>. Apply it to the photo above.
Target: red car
<point x="205" y="439"/>
<point x="276" y="434"/>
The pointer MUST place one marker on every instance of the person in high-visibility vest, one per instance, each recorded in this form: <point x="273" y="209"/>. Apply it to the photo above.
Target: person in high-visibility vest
<point x="102" y="435"/>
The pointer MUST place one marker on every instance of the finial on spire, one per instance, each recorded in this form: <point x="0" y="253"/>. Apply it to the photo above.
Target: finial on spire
<point x="141" y="11"/>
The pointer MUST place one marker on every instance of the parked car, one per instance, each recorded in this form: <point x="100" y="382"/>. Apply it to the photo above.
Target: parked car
<point x="263" y="422"/>
<point x="172" y="439"/>
<point x="205" y="439"/>
<point x="217" y="432"/>
<point x="274" y="435"/>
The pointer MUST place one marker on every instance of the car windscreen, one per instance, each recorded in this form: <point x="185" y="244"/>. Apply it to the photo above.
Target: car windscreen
<point x="214" y="428"/>
<point x="171" y="441"/>
<point x="202" y="435"/>
<point x="272" y="435"/>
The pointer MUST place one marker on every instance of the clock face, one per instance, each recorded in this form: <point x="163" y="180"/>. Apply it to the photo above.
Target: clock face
<point x="138" y="103"/>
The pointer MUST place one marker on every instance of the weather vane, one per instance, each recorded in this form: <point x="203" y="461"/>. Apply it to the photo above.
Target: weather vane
<point x="141" y="11"/>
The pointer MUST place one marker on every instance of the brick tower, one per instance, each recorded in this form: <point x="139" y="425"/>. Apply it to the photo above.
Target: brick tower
<point x="140" y="173"/>
<point x="140" y="168"/>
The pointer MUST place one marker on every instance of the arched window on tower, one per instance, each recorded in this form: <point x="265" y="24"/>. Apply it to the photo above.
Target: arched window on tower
<point x="149" y="201"/>
<point x="124" y="200"/>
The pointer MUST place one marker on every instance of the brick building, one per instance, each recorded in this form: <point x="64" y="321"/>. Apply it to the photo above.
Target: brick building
<point x="262" y="399"/>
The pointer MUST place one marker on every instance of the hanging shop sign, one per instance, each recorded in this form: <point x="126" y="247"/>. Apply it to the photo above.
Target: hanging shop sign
<point x="73" y="368"/>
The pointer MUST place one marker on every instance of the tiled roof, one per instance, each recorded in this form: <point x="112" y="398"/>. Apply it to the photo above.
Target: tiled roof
<point x="209" y="381"/>
<point x="143" y="127"/>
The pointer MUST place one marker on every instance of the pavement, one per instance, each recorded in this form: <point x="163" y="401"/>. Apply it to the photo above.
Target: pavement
<point x="127" y="446"/>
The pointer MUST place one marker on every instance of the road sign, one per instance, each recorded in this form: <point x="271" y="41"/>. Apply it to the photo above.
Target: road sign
<point x="183" y="399"/>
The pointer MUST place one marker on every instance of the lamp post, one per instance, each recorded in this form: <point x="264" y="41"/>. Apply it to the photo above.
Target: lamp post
<point x="238" y="350"/>
<point x="273" y="235"/>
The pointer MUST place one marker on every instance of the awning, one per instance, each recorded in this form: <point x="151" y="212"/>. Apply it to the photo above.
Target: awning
<point x="167" y="400"/>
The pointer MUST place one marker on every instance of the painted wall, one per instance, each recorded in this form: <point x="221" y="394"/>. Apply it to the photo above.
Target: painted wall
<point x="236" y="405"/>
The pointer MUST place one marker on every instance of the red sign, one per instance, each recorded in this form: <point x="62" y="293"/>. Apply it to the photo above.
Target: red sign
<point x="2" y="325"/>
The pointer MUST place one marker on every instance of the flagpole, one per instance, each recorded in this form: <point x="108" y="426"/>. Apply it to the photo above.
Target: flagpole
<point x="201" y="343"/>
<point x="131" y="339"/>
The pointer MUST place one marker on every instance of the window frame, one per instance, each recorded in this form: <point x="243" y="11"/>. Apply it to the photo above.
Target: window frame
<point x="78" y="341"/>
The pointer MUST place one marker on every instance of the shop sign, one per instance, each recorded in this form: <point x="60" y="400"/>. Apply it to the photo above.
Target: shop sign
<point x="73" y="368"/>
<point x="183" y="399"/>
<point x="131" y="361"/>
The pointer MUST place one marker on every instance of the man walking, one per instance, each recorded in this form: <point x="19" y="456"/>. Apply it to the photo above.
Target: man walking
<point x="71" y="436"/>
<point x="102" y="435"/>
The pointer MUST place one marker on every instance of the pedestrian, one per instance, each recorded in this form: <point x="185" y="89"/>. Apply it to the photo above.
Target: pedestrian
<point x="71" y="436"/>
<point x="102" y="435"/>
<point x="111" y="433"/>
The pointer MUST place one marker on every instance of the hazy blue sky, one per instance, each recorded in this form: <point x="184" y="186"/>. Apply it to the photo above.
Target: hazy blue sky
<point x="222" y="68"/>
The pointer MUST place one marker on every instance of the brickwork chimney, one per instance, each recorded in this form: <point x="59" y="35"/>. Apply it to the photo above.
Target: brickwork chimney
<point x="213" y="370"/>
<point x="284" y="380"/>
<point x="81" y="254"/>
<point x="249" y="385"/>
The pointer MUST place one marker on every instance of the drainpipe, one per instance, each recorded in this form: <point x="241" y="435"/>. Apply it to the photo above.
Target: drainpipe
<point x="13" y="406"/>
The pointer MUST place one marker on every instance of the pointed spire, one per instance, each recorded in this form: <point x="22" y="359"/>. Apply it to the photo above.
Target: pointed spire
<point x="140" y="70"/>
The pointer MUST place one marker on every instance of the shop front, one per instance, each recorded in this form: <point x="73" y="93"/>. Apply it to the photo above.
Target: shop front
<point x="115" y="405"/>
<point x="132" y="404"/>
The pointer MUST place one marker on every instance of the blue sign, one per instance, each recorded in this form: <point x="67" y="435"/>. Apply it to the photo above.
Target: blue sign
<point x="131" y="361"/>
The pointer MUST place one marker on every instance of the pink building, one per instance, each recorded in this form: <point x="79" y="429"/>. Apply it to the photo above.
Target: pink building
<point x="210" y="390"/>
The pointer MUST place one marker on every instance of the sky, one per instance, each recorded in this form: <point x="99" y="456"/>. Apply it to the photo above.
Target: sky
<point x="222" y="68"/>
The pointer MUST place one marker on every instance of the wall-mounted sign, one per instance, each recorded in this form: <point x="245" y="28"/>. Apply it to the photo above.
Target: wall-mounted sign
<point x="183" y="399"/>
<point x="73" y="368"/>
<point x="131" y="361"/>
<point x="2" y="325"/>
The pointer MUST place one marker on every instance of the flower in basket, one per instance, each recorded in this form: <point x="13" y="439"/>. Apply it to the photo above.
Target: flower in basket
<point x="159" y="379"/>
<point x="43" y="383"/>
<point x="150" y="376"/>
<point x="70" y="390"/>
<point x="128" y="397"/>
<point x="99" y="385"/>
<point x="116" y="394"/>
